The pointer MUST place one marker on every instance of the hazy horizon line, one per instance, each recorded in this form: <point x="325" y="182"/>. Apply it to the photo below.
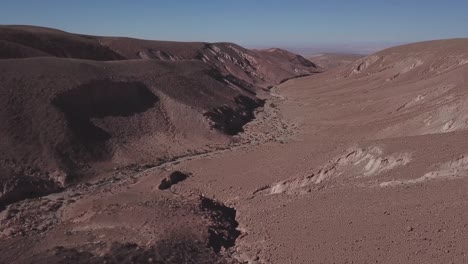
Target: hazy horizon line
<point x="304" y="49"/>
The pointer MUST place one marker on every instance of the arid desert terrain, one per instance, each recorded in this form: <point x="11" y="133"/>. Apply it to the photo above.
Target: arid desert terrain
<point x="121" y="150"/>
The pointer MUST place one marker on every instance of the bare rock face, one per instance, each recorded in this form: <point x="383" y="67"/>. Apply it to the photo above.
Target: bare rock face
<point x="173" y="178"/>
<point x="18" y="187"/>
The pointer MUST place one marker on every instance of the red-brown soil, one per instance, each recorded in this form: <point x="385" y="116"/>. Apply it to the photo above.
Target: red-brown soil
<point x="167" y="157"/>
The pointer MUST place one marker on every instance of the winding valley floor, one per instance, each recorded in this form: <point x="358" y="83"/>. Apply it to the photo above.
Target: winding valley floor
<point x="366" y="163"/>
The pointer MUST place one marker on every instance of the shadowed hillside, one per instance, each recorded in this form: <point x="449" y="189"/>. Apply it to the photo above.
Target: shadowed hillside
<point x="75" y="105"/>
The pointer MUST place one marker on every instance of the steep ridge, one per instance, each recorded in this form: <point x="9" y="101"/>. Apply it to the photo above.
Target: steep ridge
<point x="256" y="67"/>
<point x="75" y="106"/>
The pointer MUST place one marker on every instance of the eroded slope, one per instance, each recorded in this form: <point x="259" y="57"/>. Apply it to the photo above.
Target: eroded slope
<point x="129" y="103"/>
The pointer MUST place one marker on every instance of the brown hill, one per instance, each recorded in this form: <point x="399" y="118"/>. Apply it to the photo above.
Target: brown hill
<point x="63" y="117"/>
<point x="426" y="82"/>
<point x="30" y="41"/>
<point x="256" y="67"/>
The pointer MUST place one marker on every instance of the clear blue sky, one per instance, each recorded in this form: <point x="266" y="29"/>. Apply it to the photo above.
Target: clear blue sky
<point x="297" y="23"/>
